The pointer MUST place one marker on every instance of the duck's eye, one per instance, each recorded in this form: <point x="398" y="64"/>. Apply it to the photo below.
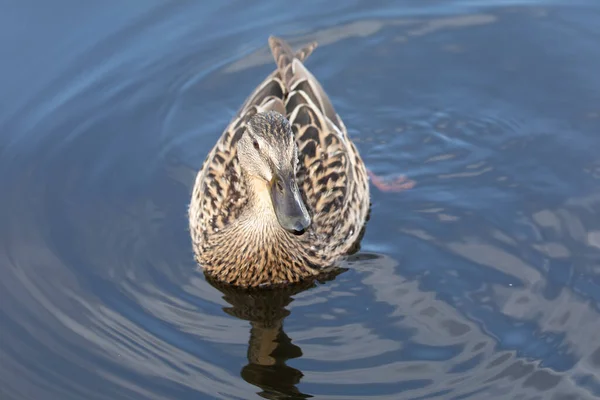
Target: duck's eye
<point x="255" y="144"/>
<point x="279" y="186"/>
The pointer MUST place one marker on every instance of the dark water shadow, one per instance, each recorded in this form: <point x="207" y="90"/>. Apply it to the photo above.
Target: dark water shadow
<point x="269" y="347"/>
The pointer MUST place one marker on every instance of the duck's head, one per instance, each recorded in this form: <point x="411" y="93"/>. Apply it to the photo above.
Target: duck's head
<point x="267" y="152"/>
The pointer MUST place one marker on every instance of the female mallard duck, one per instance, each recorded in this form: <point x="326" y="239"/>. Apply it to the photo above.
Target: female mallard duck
<point x="284" y="194"/>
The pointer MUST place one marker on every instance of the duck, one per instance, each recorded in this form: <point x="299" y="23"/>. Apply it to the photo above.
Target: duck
<point x="283" y="196"/>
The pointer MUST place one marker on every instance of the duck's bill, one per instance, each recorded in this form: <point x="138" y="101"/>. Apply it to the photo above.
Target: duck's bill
<point x="289" y="207"/>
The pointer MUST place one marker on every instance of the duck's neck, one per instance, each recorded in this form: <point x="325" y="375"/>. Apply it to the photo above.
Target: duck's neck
<point x="260" y="213"/>
<point x="255" y="249"/>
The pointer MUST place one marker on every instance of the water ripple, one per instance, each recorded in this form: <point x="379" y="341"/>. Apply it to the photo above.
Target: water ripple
<point x="482" y="281"/>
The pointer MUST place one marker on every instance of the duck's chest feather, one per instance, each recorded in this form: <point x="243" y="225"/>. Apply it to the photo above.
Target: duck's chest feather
<point x="248" y="255"/>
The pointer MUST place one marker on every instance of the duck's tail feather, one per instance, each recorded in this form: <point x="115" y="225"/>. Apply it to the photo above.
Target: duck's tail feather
<point x="284" y="56"/>
<point x="306" y="51"/>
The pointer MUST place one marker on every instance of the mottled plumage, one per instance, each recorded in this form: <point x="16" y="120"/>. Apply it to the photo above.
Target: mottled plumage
<point x="234" y="228"/>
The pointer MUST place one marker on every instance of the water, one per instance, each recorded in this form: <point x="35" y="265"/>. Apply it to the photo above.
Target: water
<point x="482" y="282"/>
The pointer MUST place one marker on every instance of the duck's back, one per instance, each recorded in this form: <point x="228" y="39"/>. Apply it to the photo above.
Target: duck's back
<point x="331" y="174"/>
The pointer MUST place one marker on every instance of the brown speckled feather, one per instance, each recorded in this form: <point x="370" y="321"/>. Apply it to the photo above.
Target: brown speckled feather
<point x="331" y="176"/>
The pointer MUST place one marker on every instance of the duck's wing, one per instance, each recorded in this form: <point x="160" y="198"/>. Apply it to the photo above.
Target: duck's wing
<point x="331" y="173"/>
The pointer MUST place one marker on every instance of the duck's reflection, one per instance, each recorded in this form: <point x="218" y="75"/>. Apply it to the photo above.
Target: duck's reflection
<point x="269" y="346"/>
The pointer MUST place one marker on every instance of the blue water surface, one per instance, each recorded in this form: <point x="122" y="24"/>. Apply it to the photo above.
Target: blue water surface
<point x="481" y="282"/>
